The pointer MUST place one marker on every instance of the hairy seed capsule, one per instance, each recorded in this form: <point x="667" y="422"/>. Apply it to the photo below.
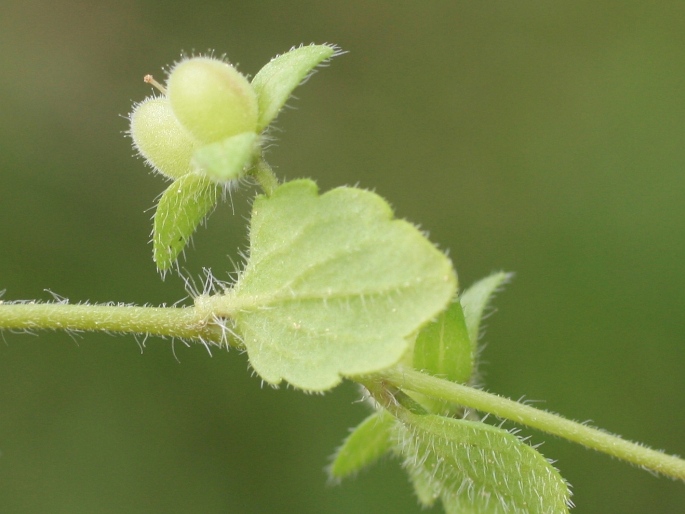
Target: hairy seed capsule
<point x="212" y="99"/>
<point x="161" y="139"/>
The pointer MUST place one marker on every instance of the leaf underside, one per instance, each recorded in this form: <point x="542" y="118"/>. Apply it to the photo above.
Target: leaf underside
<point x="334" y="286"/>
<point x="478" y="468"/>
<point x="180" y="210"/>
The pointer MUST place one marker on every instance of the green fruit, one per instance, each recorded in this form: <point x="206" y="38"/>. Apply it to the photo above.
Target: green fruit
<point x="211" y="99"/>
<point x="161" y="139"/>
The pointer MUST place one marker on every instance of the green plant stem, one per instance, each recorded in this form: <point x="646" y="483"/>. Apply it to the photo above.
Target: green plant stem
<point x="197" y="323"/>
<point x="596" y="439"/>
<point x="265" y="176"/>
<point x="182" y="322"/>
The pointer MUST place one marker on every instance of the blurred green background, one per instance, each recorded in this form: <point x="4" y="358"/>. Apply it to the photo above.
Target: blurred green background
<point x="545" y="138"/>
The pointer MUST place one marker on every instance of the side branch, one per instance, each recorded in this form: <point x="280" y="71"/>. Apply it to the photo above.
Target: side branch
<point x="182" y="322"/>
<point x="594" y="438"/>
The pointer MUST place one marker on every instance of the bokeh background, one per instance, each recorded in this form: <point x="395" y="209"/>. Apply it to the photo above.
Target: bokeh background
<point x="545" y="138"/>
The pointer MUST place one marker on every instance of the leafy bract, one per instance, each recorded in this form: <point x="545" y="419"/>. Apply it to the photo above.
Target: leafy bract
<point x="180" y="210"/>
<point x="369" y="441"/>
<point x="276" y="80"/>
<point x="478" y="468"/>
<point x="226" y="159"/>
<point x="334" y="286"/>
<point x="443" y="347"/>
<point x="476" y="298"/>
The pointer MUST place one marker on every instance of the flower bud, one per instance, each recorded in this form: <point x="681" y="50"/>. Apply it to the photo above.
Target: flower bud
<point x="211" y="99"/>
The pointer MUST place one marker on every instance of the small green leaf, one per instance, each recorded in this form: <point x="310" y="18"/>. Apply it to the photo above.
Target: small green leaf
<point x="443" y="347"/>
<point x="479" y="468"/>
<point x="276" y="80"/>
<point x="180" y="210"/>
<point x="477" y="297"/>
<point x="227" y="159"/>
<point x="367" y="443"/>
<point x="334" y="286"/>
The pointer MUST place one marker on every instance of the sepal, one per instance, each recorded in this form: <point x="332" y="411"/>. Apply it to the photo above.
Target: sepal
<point x="367" y="443"/>
<point x="275" y="82"/>
<point x="180" y="210"/>
<point x="227" y="159"/>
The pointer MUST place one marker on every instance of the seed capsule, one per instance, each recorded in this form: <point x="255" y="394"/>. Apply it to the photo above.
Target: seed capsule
<point x="211" y="99"/>
<point x="161" y="139"/>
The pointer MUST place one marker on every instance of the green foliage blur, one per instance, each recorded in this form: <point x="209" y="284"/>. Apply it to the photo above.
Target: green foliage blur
<point x="544" y="138"/>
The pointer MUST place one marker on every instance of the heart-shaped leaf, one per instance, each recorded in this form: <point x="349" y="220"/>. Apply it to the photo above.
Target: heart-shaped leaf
<point x="334" y="286"/>
<point x="368" y="442"/>
<point x="180" y="210"/>
<point x="474" y="467"/>
<point x="276" y="80"/>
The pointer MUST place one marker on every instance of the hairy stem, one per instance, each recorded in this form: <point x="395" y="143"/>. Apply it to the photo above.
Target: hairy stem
<point x="265" y="176"/>
<point x="197" y="323"/>
<point x="182" y="322"/>
<point x="596" y="439"/>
